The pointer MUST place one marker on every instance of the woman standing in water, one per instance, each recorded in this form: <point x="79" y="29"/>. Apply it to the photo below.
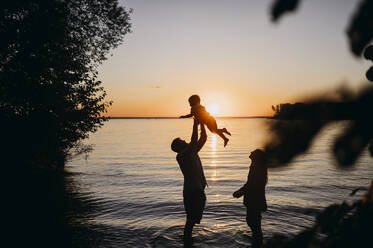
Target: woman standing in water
<point x="254" y="195"/>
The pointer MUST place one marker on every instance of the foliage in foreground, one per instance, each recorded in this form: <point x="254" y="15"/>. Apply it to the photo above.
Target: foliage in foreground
<point x="293" y="130"/>
<point x="301" y="122"/>
<point x="359" y="31"/>
<point x="50" y="96"/>
<point x="298" y="124"/>
<point x="339" y="225"/>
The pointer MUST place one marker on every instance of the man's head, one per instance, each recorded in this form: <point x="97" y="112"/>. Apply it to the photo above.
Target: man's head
<point x="178" y="145"/>
<point x="258" y="156"/>
<point x="194" y="100"/>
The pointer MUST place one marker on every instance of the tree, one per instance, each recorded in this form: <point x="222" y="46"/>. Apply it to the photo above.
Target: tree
<point x="50" y="95"/>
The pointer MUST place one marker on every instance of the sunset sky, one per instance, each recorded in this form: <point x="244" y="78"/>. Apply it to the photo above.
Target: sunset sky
<point x="230" y="53"/>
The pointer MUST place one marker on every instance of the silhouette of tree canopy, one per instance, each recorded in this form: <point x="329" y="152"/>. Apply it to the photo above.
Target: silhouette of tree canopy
<point x="359" y="32"/>
<point x="50" y="95"/>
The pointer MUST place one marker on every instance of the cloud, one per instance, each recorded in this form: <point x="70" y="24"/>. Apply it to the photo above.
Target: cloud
<point x="154" y="87"/>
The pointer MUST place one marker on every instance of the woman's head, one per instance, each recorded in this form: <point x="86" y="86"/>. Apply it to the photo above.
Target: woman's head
<point x="258" y="156"/>
<point x="258" y="169"/>
<point x="194" y="100"/>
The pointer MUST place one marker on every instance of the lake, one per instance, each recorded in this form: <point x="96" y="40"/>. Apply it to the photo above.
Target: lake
<point x="134" y="179"/>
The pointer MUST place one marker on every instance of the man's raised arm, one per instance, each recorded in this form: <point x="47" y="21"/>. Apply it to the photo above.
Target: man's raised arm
<point x="202" y="138"/>
<point x="194" y="139"/>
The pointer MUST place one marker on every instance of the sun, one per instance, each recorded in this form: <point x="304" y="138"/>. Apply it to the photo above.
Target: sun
<point x="213" y="108"/>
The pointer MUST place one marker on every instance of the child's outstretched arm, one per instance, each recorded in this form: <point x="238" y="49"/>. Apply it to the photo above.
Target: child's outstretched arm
<point x="186" y="116"/>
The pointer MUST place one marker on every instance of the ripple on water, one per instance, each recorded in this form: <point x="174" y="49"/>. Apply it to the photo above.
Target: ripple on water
<point x="134" y="182"/>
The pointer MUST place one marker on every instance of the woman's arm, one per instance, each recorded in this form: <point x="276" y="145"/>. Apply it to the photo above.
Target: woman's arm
<point x="240" y="192"/>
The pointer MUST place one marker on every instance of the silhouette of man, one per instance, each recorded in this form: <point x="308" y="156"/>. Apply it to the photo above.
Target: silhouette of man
<point x="194" y="178"/>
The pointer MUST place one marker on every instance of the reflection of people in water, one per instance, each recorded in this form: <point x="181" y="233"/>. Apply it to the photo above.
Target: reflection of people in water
<point x="254" y="195"/>
<point x="194" y="178"/>
<point x="199" y="112"/>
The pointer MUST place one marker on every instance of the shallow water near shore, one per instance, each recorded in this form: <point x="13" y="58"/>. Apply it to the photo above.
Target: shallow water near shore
<point x="135" y="183"/>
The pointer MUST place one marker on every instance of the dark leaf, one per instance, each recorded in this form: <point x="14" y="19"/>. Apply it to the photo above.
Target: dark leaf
<point x="281" y="7"/>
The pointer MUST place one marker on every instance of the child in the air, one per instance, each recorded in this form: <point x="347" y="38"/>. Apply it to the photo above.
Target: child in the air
<point x="199" y="112"/>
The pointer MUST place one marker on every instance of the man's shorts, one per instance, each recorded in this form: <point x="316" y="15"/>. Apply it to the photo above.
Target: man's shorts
<point x="194" y="204"/>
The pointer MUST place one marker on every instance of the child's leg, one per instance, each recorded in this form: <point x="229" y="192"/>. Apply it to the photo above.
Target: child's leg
<point x="224" y="130"/>
<point x="213" y="127"/>
<point x="221" y="134"/>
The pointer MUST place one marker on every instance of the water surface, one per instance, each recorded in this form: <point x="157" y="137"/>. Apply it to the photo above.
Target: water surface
<point x="134" y="179"/>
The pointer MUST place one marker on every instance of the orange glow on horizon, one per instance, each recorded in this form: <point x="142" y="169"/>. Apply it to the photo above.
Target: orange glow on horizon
<point x="173" y="102"/>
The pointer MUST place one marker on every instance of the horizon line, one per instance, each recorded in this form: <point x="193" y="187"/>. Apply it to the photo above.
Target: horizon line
<point x="175" y="117"/>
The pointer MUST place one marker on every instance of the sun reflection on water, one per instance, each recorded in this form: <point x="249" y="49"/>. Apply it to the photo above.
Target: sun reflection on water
<point x="213" y="144"/>
<point x="213" y="158"/>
